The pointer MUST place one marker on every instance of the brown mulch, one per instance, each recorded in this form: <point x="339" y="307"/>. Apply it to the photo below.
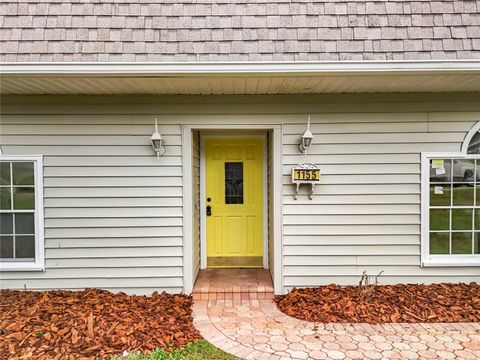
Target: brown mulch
<point x="384" y="304"/>
<point x="91" y="324"/>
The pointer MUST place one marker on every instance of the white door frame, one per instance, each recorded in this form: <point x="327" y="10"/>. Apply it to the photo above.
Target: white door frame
<point x="188" y="213"/>
<point x="203" y="192"/>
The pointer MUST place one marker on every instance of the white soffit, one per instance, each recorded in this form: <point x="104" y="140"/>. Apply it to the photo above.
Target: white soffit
<point x="240" y="78"/>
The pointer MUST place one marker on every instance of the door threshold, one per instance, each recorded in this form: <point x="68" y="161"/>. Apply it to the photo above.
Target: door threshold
<point x="235" y="262"/>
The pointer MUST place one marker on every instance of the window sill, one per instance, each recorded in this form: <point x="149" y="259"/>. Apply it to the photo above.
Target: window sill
<point x="451" y="260"/>
<point x="21" y="266"/>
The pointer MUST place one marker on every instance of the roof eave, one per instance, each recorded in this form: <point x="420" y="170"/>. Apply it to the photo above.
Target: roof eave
<point x="220" y="78"/>
<point x="239" y="68"/>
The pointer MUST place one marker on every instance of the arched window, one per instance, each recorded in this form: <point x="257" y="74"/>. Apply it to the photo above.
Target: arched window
<point x="471" y="143"/>
<point x="474" y="146"/>
<point x="451" y="205"/>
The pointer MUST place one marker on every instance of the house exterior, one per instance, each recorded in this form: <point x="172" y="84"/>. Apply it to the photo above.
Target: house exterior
<point x="388" y="90"/>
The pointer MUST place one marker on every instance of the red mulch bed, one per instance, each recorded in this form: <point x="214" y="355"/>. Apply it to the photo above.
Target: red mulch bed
<point x="383" y="304"/>
<point x="91" y="324"/>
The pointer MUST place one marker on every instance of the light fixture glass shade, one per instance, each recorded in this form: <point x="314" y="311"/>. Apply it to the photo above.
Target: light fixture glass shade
<point x="157" y="143"/>
<point x="307" y="142"/>
<point x="307" y="139"/>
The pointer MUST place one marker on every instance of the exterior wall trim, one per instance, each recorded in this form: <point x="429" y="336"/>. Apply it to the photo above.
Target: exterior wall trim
<point x="188" y="276"/>
<point x="187" y="177"/>
<point x="274" y="67"/>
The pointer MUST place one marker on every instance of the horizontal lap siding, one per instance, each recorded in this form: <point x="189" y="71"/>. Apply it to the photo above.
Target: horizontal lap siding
<point x="365" y="214"/>
<point x="113" y="212"/>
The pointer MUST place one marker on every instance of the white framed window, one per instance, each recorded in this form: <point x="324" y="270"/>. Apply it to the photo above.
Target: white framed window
<point x="21" y="213"/>
<point x="451" y="205"/>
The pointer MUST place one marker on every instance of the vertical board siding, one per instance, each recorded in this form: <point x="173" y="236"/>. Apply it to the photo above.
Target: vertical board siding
<point x="271" y="240"/>
<point x="196" y="203"/>
<point x="113" y="212"/>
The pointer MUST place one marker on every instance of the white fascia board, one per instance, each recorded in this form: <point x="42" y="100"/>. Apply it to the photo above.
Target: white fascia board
<point x="189" y="69"/>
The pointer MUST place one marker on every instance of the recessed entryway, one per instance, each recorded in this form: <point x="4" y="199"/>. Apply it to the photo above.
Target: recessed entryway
<point x="245" y="197"/>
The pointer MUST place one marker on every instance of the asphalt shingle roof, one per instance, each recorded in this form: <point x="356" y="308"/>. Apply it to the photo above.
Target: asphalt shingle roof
<point x="242" y="30"/>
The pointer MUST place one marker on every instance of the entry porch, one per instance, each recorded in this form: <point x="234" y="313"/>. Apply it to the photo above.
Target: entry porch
<point x="236" y="285"/>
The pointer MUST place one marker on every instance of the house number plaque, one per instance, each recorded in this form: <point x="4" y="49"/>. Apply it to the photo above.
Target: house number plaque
<point x="305" y="174"/>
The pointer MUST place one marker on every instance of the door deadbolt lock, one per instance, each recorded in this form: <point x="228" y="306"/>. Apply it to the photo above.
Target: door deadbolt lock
<point x="209" y="210"/>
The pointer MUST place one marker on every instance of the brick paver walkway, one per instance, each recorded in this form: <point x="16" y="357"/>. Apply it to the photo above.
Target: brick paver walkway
<point x="256" y="329"/>
<point x="233" y="309"/>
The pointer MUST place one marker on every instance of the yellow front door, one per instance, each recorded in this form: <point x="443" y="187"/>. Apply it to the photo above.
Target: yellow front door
<point x="234" y="200"/>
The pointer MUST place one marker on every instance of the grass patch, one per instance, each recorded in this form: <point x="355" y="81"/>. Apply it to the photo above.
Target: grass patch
<point x="195" y="350"/>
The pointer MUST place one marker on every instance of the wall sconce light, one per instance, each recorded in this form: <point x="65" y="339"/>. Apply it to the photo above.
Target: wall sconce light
<point x="157" y="142"/>
<point x="307" y="139"/>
